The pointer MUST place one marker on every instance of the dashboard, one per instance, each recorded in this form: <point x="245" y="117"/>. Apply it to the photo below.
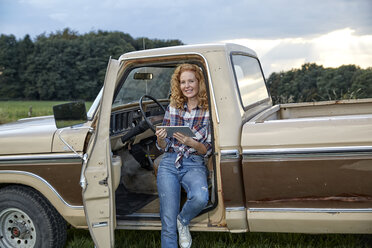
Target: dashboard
<point x="121" y="121"/>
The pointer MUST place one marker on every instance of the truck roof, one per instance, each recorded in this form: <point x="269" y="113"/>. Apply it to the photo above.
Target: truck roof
<point x="199" y="48"/>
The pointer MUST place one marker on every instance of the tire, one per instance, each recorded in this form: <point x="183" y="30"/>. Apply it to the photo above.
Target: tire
<point x="27" y="219"/>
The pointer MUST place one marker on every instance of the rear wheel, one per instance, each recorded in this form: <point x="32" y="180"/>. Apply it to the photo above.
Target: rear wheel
<point x="27" y="219"/>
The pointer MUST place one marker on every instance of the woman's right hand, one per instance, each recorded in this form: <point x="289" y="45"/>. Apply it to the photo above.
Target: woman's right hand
<point x="161" y="133"/>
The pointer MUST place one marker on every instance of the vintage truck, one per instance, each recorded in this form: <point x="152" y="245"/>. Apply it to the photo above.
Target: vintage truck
<point x="303" y="167"/>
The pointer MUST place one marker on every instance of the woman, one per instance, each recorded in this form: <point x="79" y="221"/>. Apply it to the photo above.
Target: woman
<point x="183" y="160"/>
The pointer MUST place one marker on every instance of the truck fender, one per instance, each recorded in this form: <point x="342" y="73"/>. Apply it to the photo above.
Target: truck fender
<point x="71" y="213"/>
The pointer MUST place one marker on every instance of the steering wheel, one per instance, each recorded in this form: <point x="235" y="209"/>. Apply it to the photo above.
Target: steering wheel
<point x="149" y="123"/>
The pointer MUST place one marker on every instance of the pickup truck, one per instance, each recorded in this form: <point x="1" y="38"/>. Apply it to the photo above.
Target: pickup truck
<point x="302" y="167"/>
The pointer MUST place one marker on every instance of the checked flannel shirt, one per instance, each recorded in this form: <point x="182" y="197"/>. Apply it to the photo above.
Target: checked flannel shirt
<point x="198" y="120"/>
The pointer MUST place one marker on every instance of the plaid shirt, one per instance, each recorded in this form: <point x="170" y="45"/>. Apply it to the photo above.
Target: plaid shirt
<point x="198" y="120"/>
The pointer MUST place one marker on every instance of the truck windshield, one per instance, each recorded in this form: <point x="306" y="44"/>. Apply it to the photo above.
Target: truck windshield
<point x="154" y="81"/>
<point x="250" y="80"/>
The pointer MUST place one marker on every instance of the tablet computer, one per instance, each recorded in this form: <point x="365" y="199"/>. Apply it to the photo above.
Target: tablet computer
<point x="185" y="130"/>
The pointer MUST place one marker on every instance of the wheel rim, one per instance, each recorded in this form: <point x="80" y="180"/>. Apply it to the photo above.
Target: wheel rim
<point x="16" y="229"/>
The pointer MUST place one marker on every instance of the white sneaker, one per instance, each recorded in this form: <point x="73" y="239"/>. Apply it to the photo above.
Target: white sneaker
<point x="184" y="236"/>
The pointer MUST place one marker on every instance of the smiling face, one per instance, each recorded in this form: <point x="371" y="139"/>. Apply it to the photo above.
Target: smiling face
<point x="189" y="84"/>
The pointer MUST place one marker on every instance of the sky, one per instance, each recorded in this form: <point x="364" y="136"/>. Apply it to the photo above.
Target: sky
<point x="284" y="33"/>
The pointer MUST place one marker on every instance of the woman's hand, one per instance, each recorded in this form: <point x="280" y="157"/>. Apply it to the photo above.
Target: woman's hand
<point x="161" y="134"/>
<point x="186" y="140"/>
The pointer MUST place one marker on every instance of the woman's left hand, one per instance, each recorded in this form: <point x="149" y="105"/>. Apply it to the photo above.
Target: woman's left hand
<point x="186" y="140"/>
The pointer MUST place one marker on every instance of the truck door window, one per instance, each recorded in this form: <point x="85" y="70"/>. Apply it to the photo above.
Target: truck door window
<point x="250" y="80"/>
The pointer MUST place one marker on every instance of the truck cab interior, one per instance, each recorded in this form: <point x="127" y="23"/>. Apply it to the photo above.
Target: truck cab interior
<point x="139" y="104"/>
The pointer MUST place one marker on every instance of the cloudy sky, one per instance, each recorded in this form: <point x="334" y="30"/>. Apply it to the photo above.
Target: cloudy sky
<point x="284" y="33"/>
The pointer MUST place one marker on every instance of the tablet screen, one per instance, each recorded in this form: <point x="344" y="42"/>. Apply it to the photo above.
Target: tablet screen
<point x="185" y="130"/>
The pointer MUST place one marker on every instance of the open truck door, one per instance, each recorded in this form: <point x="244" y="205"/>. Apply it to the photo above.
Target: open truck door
<point x="97" y="177"/>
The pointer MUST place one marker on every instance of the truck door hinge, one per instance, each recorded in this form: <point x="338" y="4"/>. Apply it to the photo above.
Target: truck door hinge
<point x="83" y="181"/>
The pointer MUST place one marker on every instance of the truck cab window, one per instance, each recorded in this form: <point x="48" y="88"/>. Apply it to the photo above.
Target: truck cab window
<point x="250" y="80"/>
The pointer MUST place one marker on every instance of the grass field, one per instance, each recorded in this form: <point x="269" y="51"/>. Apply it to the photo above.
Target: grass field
<point x="151" y="239"/>
<point x="13" y="110"/>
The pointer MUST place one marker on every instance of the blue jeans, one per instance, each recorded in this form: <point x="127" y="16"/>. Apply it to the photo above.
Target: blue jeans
<point x="192" y="176"/>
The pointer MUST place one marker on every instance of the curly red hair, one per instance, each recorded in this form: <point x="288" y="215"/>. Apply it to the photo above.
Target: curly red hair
<point x="177" y="98"/>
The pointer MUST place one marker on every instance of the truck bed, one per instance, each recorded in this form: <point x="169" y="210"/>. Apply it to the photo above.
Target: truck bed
<point x="311" y="125"/>
<point x="316" y="109"/>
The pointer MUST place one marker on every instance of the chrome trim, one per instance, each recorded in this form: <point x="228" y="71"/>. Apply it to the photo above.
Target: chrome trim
<point x="90" y="129"/>
<point x="230" y="154"/>
<point x="180" y="54"/>
<point x="99" y="224"/>
<point x="46" y="157"/>
<point x="233" y="209"/>
<point x="42" y="180"/>
<point x="285" y="151"/>
<point x="83" y="180"/>
<point x="313" y="210"/>
<point x="140" y="224"/>
<point x="143" y="215"/>
<point x="93" y="108"/>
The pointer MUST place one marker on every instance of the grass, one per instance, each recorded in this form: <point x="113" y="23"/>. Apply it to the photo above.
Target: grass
<point x="148" y="239"/>
<point x="13" y="110"/>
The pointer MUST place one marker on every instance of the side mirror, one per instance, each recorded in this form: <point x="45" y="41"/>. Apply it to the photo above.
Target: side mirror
<point x="70" y="114"/>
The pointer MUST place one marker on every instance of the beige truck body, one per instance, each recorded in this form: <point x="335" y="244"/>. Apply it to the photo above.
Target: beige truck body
<point x="302" y="167"/>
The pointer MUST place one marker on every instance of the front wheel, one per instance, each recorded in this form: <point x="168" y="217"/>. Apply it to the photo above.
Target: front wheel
<point x="28" y="220"/>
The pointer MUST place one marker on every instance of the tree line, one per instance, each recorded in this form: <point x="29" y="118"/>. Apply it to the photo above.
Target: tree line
<point x="66" y="65"/>
<point x="313" y="82"/>
<point x="63" y="65"/>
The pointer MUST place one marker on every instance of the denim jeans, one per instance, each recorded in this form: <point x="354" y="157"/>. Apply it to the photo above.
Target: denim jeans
<point x="192" y="176"/>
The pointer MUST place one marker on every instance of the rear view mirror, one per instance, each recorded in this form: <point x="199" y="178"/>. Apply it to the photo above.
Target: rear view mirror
<point x="70" y="114"/>
<point x="142" y="76"/>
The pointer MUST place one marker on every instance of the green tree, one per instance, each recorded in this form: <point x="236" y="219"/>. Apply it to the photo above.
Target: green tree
<point x="10" y="86"/>
<point x="361" y="86"/>
<point x="296" y="85"/>
<point x="315" y="83"/>
<point x="25" y="48"/>
<point x="65" y="65"/>
<point x="335" y="83"/>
